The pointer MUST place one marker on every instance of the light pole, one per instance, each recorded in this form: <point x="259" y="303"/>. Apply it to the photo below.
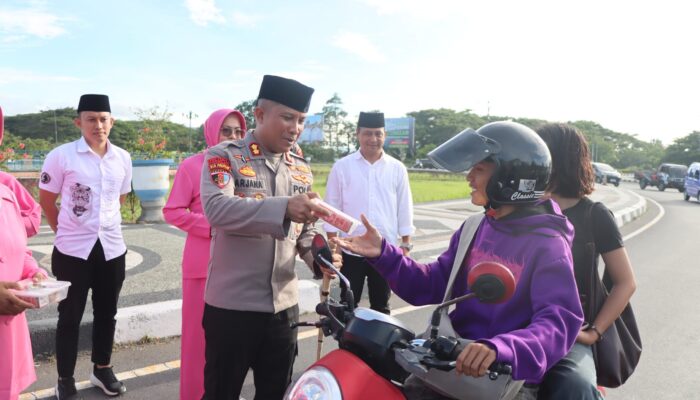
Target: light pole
<point x="189" y="116"/>
<point x="55" y="127"/>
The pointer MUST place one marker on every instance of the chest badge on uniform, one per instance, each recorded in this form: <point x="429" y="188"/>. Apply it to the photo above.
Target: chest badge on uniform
<point x="246" y="170"/>
<point x="302" y="178"/>
<point x="302" y="168"/>
<point x="254" y="149"/>
<point x="220" y="171"/>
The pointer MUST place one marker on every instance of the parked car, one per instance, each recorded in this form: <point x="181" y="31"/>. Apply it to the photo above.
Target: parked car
<point x="604" y="173"/>
<point x="692" y="182"/>
<point x="424" y="163"/>
<point x="667" y="175"/>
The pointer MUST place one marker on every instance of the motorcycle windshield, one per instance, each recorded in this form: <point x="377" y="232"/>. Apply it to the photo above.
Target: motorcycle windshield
<point x="464" y="150"/>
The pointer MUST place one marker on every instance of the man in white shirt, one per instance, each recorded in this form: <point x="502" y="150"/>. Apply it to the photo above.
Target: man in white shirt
<point x="93" y="177"/>
<point x="375" y="184"/>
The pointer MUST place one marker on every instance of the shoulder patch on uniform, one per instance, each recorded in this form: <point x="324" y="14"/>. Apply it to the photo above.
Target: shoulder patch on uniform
<point x="45" y="178"/>
<point x="236" y="143"/>
<point x="219" y="170"/>
<point x="255" y="149"/>
<point x="298" y="154"/>
<point x="247" y="170"/>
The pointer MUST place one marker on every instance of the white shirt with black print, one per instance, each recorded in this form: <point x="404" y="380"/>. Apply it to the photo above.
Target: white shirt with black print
<point x="90" y="187"/>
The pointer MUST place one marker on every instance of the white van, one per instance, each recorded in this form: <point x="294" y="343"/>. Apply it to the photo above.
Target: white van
<point x="692" y="182"/>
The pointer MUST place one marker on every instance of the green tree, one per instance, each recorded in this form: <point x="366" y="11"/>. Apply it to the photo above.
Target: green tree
<point x="43" y="125"/>
<point x="335" y="127"/>
<point x="247" y="108"/>
<point x="684" y="150"/>
<point x="436" y="126"/>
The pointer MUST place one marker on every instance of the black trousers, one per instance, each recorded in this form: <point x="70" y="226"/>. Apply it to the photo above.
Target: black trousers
<point x="240" y="340"/>
<point x="356" y="269"/>
<point x="105" y="278"/>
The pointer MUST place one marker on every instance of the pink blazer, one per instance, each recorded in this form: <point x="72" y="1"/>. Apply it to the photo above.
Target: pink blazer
<point x="184" y="206"/>
<point x="28" y="207"/>
<point x="16" y="263"/>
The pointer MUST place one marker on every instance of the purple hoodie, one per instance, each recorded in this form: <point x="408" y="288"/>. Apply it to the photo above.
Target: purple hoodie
<point x="539" y="324"/>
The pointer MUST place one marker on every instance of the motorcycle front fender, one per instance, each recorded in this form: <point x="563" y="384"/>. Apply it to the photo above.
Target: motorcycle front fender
<point x="356" y="379"/>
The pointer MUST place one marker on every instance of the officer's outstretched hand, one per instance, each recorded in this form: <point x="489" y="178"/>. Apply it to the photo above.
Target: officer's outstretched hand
<point x="301" y="209"/>
<point x="368" y="245"/>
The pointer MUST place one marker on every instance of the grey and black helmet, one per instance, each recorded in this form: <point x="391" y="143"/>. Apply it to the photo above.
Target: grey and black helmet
<point x="522" y="159"/>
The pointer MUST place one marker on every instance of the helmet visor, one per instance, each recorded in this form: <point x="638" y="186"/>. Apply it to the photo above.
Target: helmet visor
<point x="464" y="150"/>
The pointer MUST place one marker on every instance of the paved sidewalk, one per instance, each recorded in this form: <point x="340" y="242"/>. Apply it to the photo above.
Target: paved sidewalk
<point x="150" y="302"/>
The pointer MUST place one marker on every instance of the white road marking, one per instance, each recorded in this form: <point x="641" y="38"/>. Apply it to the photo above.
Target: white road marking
<point x="651" y="223"/>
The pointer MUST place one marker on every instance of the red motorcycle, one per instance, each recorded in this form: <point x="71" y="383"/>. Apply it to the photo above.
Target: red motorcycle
<point x="377" y="352"/>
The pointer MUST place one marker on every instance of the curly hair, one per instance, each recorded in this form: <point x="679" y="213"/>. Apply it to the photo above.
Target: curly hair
<point x="572" y="173"/>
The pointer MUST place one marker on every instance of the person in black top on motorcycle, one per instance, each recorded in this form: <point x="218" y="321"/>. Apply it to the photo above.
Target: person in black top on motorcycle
<point x="572" y="179"/>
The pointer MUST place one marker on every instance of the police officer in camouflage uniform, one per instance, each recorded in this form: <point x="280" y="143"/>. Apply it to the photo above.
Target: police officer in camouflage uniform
<point x="257" y="196"/>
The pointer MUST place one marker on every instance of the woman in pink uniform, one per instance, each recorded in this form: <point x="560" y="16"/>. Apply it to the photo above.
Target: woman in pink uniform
<point x="16" y="263"/>
<point x="184" y="210"/>
<point x="28" y="207"/>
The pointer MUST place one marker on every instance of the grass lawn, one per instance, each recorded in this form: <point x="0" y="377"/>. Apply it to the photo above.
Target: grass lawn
<point x="425" y="186"/>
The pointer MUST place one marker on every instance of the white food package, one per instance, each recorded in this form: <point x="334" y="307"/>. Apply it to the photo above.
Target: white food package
<point x="43" y="293"/>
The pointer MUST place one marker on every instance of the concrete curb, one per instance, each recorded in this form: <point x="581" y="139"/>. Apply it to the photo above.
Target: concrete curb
<point x="164" y="319"/>
<point x="628" y="214"/>
<point x="154" y="320"/>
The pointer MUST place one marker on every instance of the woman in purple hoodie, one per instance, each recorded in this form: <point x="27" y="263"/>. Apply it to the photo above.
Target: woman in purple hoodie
<point x="509" y="168"/>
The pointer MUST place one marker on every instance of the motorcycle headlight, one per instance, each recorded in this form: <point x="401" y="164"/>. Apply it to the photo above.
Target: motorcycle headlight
<point x="317" y="383"/>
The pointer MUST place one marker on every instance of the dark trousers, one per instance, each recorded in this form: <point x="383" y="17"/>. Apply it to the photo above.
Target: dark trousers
<point x="356" y="269"/>
<point x="240" y="340"/>
<point x="105" y="278"/>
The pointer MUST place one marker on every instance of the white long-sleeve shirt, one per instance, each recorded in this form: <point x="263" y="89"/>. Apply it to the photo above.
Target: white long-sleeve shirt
<point x="380" y="191"/>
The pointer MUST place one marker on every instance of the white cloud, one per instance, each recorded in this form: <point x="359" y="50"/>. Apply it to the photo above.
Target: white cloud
<point x="202" y="12"/>
<point x="436" y="10"/>
<point x="16" y="24"/>
<point x="359" y="45"/>
<point x="245" y="20"/>
<point x="11" y="75"/>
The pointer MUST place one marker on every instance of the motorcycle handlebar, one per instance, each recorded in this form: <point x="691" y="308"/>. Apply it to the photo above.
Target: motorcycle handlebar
<point x="497" y="368"/>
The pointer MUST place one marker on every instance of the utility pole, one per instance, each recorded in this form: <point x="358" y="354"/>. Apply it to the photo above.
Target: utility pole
<point x="189" y="116"/>
<point x="55" y="127"/>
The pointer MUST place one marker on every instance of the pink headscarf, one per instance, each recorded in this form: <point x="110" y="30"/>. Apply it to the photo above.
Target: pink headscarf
<point x="212" y="125"/>
<point x="1" y="125"/>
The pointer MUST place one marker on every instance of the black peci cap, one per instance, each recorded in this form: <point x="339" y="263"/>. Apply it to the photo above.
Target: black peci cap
<point x="94" y="102"/>
<point x="371" y="120"/>
<point x="287" y="92"/>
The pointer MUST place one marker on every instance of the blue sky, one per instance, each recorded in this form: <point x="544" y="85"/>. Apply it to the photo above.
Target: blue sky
<point x="632" y="67"/>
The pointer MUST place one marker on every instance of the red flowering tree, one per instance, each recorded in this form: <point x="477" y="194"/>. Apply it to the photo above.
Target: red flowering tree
<point x="152" y="133"/>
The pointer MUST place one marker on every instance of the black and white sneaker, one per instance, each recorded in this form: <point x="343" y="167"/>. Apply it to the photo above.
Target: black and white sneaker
<point x="104" y="379"/>
<point x="65" y="389"/>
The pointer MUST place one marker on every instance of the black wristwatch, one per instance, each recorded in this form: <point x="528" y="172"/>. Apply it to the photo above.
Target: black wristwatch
<point x="407" y="246"/>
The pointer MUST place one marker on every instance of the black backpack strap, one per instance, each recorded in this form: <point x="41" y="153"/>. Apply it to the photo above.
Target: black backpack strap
<point x="591" y="258"/>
